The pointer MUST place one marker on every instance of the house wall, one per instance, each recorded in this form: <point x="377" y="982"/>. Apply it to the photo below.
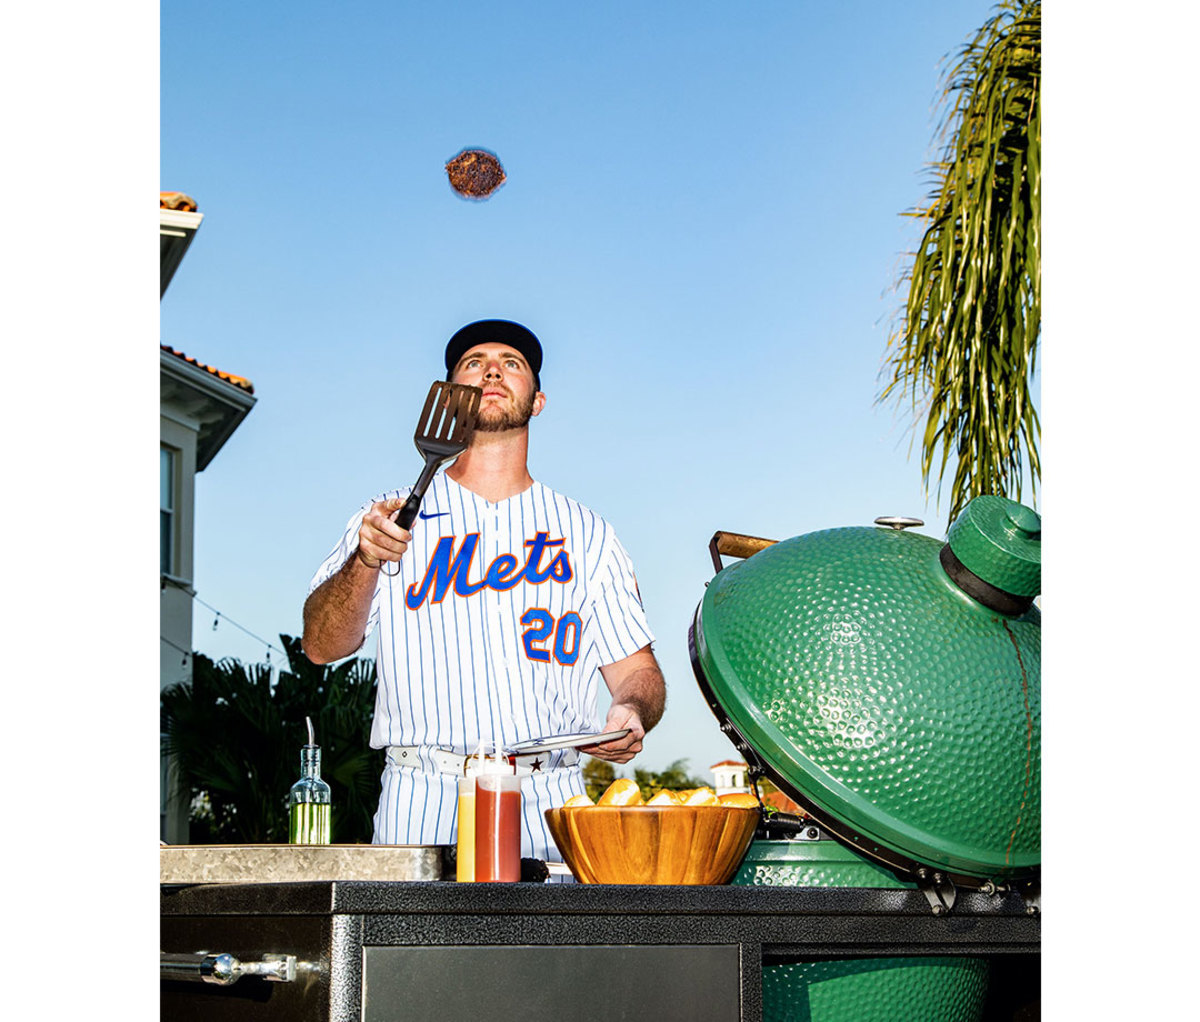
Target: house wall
<point x="728" y="779"/>
<point x="179" y="434"/>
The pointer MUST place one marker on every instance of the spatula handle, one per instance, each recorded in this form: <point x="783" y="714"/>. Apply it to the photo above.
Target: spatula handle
<point x="408" y="513"/>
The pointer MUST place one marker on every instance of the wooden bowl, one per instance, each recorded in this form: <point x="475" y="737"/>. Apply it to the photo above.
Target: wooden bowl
<point x="653" y="844"/>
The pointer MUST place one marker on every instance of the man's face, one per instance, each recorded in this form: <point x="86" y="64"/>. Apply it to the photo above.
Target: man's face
<point x="509" y="398"/>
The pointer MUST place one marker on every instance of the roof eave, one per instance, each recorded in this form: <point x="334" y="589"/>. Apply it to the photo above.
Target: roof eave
<point x="225" y="404"/>
<point x="176" y="229"/>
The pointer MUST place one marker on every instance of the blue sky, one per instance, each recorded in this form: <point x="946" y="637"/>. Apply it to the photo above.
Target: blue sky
<point x="702" y="222"/>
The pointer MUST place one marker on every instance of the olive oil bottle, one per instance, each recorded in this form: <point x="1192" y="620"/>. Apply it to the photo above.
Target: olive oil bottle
<point x="308" y="801"/>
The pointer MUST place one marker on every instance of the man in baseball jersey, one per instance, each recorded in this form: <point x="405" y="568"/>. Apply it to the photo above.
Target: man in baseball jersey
<point x="498" y="615"/>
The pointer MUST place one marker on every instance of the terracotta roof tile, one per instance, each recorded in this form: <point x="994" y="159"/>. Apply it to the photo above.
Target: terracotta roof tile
<point x="728" y="762"/>
<point x="177" y="200"/>
<point x="237" y="381"/>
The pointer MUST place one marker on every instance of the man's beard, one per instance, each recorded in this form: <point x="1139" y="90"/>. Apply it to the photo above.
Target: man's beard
<point x="493" y="420"/>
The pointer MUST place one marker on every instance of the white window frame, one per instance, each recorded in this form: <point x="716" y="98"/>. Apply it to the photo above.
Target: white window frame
<point x="168" y="489"/>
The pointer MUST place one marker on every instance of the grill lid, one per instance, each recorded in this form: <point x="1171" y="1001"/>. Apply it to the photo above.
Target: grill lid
<point x="901" y="712"/>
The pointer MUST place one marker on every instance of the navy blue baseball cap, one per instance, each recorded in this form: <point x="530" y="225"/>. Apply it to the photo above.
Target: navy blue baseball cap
<point x="496" y="331"/>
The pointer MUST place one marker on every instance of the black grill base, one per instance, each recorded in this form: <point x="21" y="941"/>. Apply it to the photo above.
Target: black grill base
<point x="719" y="935"/>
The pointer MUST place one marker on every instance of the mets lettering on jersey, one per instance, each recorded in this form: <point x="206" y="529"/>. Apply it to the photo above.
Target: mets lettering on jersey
<point x="446" y="566"/>
<point x="493" y="628"/>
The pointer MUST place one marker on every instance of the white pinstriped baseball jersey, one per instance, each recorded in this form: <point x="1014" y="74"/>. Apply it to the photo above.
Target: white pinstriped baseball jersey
<point x="495" y="627"/>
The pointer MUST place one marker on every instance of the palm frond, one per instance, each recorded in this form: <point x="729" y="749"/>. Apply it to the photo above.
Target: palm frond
<point x="964" y="348"/>
<point x="236" y="736"/>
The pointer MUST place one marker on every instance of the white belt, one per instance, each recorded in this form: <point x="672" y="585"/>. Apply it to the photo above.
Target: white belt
<point x="447" y="762"/>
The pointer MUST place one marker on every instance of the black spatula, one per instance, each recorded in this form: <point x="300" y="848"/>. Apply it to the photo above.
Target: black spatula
<point x="443" y="432"/>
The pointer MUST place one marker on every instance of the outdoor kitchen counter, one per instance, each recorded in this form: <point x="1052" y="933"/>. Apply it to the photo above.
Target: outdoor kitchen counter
<point x="857" y="921"/>
<point x="362" y="936"/>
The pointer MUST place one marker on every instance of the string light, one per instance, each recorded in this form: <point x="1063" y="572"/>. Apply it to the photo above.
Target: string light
<point x="217" y="619"/>
<point x="186" y="652"/>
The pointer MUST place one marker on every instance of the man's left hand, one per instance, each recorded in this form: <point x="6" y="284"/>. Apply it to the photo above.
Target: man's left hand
<point x="619" y="750"/>
<point x="639" y="694"/>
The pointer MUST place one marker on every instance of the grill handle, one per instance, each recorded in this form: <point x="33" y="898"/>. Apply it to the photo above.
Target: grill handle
<point x="224" y="970"/>
<point x="734" y="544"/>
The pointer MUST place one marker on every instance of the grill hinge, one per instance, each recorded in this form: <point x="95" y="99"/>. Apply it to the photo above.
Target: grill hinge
<point x="938" y="889"/>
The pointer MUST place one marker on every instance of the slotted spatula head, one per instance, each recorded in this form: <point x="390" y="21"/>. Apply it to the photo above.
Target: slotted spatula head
<point x="448" y="419"/>
<point x="443" y="432"/>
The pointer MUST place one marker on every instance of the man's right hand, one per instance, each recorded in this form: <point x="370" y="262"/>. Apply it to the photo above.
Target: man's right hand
<point x="379" y="537"/>
<point x="336" y="612"/>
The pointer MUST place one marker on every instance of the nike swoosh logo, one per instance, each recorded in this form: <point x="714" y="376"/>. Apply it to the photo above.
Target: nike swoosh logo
<point x="435" y="514"/>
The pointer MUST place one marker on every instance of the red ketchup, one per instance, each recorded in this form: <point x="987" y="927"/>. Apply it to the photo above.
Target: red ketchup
<point x="498" y="827"/>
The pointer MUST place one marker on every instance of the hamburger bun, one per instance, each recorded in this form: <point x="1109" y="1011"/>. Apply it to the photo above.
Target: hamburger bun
<point x="622" y="792"/>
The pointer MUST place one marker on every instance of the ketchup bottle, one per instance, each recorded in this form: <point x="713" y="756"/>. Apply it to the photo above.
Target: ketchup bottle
<point x="498" y="822"/>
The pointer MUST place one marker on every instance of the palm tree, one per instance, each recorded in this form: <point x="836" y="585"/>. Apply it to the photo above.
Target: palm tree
<point x="236" y="739"/>
<point x="964" y="349"/>
<point x="675" y="778"/>
<point x="598" y="774"/>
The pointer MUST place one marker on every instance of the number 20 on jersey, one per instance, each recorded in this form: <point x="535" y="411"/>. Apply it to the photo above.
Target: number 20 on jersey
<point x="540" y="624"/>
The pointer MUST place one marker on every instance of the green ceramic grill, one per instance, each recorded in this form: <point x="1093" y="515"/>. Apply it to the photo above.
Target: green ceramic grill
<point x="930" y="989"/>
<point x="890" y="683"/>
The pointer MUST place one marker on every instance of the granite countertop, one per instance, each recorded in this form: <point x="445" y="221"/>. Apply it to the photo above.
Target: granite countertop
<point x="264" y="864"/>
